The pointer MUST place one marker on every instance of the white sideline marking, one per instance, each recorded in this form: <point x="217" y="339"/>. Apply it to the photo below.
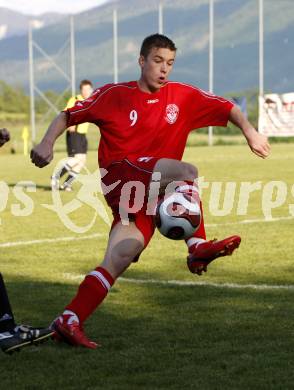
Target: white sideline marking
<point x="247" y="221"/>
<point x="58" y="239"/>
<point x="48" y="240"/>
<point x="193" y="284"/>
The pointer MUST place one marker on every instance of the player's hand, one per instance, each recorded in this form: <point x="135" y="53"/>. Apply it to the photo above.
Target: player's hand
<point x="258" y="143"/>
<point x="42" y="154"/>
<point x="4" y="136"/>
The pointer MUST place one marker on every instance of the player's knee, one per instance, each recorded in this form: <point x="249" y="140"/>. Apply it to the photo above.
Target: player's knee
<point x="189" y="172"/>
<point x="80" y="160"/>
<point x="72" y="162"/>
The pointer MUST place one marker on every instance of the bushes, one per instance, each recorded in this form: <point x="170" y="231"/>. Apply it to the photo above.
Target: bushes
<point x="14" y="100"/>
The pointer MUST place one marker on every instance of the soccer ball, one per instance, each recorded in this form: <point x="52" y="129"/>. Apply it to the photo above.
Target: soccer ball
<point x="177" y="216"/>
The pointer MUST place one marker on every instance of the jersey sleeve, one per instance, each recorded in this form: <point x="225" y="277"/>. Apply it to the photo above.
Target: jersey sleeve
<point x="88" y="110"/>
<point x="207" y="109"/>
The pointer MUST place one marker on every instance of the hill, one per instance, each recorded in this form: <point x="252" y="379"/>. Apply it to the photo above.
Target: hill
<point x="236" y="44"/>
<point x="16" y="23"/>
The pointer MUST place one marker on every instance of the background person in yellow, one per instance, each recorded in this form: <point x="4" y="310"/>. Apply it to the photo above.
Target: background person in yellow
<point x="76" y="143"/>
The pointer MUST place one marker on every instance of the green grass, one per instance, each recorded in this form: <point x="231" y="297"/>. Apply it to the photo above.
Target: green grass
<point x="156" y="336"/>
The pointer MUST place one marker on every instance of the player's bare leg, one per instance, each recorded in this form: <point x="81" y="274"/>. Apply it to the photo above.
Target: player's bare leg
<point x="201" y="251"/>
<point x="126" y="242"/>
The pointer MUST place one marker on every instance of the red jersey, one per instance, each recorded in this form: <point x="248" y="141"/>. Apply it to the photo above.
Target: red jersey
<point x="134" y="123"/>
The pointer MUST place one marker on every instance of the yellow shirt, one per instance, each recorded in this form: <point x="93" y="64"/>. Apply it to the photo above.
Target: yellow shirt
<point x="83" y="127"/>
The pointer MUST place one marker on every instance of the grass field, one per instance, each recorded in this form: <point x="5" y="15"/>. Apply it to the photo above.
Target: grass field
<point x="235" y="331"/>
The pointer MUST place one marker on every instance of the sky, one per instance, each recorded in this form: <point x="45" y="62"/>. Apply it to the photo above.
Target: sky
<point x="36" y="7"/>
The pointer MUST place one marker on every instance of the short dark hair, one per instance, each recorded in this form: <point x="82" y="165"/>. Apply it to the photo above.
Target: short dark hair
<point x="158" y="41"/>
<point x="85" y="82"/>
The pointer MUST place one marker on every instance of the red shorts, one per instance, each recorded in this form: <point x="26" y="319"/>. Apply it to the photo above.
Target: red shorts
<point x="138" y="171"/>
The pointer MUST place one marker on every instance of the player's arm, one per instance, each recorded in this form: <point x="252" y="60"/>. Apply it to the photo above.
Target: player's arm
<point x="83" y="111"/>
<point x="4" y="136"/>
<point x="257" y="142"/>
<point x="42" y="154"/>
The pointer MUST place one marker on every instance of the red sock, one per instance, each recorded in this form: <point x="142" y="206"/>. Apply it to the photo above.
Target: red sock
<point x="192" y="188"/>
<point x="91" y="293"/>
<point x="200" y="232"/>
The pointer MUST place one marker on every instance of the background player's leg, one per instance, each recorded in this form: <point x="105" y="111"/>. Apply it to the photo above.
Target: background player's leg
<point x="55" y="178"/>
<point x="6" y="315"/>
<point x="67" y="167"/>
<point x="81" y="161"/>
<point x="70" y="147"/>
<point x="62" y="171"/>
<point x="79" y="149"/>
<point x="75" y="164"/>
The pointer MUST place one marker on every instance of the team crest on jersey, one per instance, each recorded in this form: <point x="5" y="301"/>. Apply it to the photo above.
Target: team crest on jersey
<point x="172" y="113"/>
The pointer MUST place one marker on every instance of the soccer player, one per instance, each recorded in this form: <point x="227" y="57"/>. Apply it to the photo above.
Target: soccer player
<point x="12" y="336"/>
<point x="6" y="315"/>
<point x="144" y="127"/>
<point x="76" y="143"/>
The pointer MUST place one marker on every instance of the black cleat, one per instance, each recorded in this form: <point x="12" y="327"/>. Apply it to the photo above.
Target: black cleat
<point x="23" y="336"/>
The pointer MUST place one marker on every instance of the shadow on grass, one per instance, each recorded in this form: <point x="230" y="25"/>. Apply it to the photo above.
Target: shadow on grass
<point x="30" y="185"/>
<point x="157" y="337"/>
